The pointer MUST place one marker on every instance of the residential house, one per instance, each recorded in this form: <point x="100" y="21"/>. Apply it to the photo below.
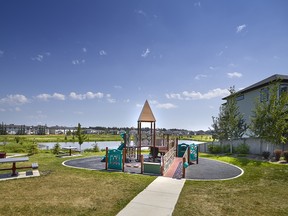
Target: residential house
<point x="247" y="97"/>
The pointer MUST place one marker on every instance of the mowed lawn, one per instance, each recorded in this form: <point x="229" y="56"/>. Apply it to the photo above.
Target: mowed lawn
<point x="262" y="190"/>
<point x="67" y="191"/>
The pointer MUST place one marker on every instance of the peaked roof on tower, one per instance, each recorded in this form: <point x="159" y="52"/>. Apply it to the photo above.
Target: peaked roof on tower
<point x="146" y="114"/>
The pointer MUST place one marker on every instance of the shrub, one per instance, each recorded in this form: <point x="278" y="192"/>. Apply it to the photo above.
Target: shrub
<point x="33" y="149"/>
<point x="242" y="149"/>
<point x="266" y="154"/>
<point x="214" y="149"/>
<point x="226" y="149"/>
<point x="56" y="149"/>
<point x="277" y="153"/>
<point x="96" y="147"/>
<point x="285" y="154"/>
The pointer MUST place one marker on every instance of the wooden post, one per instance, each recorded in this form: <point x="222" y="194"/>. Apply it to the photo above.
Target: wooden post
<point x="183" y="168"/>
<point x="139" y="141"/>
<point x="162" y="166"/>
<point x="142" y="163"/>
<point x="106" y="159"/>
<point x="123" y="159"/>
<point x="176" y="147"/>
<point x="197" y="154"/>
<point x="189" y="155"/>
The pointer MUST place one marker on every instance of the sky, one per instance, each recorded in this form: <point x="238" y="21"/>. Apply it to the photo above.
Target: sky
<point x="97" y="62"/>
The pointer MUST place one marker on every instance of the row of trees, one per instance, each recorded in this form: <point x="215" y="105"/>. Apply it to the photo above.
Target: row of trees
<point x="269" y="120"/>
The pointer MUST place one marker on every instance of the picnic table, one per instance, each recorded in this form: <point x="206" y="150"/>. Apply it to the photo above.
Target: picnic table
<point x="13" y="161"/>
<point x="70" y="149"/>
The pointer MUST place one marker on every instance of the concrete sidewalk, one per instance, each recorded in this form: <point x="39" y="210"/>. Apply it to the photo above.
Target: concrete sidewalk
<point x="159" y="198"/>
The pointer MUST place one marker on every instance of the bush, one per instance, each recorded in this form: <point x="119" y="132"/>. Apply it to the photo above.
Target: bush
<point x="285" y="154"/>
<point x="266" y="154"/>
<point x="96" y="147"/>
<point x="277" y="153"/>
<point x="56" y="149"/>
<point x="33" y="149"/>
<point x="214" y="149"/>
<point x="226" y="149"/>
<point x="242" y="149"/>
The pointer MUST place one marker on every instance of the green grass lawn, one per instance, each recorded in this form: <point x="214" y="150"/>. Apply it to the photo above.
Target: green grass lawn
<point x="262" y="190"/>
<point x="67" y="191"/>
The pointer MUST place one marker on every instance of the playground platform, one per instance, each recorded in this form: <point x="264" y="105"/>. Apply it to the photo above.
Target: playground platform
<point x="206" y="169"/>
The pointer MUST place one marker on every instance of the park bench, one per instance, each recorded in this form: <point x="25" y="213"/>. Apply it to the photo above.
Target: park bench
<point x="16" y="160"/>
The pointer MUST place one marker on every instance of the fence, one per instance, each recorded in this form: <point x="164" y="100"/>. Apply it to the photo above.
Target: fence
<point x="256" y="146"/>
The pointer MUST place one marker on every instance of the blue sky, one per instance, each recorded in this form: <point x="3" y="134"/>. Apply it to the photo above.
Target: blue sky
<point x="96" y="62"/>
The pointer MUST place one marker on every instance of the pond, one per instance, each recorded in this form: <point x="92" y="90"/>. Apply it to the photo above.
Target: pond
<point x="101" y="144"/>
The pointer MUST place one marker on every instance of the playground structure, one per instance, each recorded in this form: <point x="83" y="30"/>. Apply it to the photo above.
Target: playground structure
<point x="166" y="156"/>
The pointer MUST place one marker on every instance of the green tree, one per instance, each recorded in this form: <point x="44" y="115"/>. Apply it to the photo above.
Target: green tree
<point x="3" y="129"/>
<point x="269" y="121"/>
<point x="229" y="124"/>
<point x="80" y="135"/>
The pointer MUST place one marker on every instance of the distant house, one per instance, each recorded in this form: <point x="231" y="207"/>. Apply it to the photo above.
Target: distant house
<point x="247" y="97"/>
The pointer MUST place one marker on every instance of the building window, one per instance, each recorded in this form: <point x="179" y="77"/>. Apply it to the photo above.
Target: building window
<point x="240" y="97"/>
<point x="283" y="89"/>
<point x="264" y="94"/>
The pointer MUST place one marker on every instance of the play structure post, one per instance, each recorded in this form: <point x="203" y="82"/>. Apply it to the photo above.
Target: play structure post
<point x="142" y="163"/>
<point x="162" y="166"/>
<point x="197" y="154"/>
<point x="176" y="147"/>
<point x="183" y="168"/>
<point x="189" y="155"/>
<point x="106" y="159"/>
<point x="123" y="159"/>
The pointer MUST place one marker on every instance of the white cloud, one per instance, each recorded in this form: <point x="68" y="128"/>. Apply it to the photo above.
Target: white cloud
<point x="88" y="95"/>
<point x="145" y="53"/>
<point x="220" y="53"/>
<point x="118" y="87"/>
<point x="102" y="53"/>
<point x="46" y="97"/>
<point x="2" y="110"/>
<point x="141" y="12"/>
<point x="162" y="105"/>
<point x="200" y="76"/>
<point x="14" y="100"/>
<point x="78" y="61"/>
<point x="234" y="74"/>
<point x="212" y="68"/>
<point x="17" y="109"/>
<point x="166" y="106"/>
<point x="193" y="95"/>
<point x="40" y="57"/>
<point x="1" y="53"/>
<point x="240" y="28"/>
<point x="84" y="49"/>
<point x="197" y="4"/>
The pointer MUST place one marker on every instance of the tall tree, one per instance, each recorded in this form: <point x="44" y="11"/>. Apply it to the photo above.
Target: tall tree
<point x="80" y="135"/>
<point x="230" y="123"/>
<point x="270" y="117"/>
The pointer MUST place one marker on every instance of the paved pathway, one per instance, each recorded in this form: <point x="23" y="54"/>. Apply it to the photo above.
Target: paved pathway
<point x="208" y="169"/>
<point x="159" y="198"/>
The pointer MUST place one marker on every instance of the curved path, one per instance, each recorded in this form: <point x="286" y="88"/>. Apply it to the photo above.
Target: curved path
<point x="207" y="169"/>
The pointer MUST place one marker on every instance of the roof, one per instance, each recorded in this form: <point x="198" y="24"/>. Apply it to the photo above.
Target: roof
<point x="265" y="82"/>
<point x="146" y="114"/>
